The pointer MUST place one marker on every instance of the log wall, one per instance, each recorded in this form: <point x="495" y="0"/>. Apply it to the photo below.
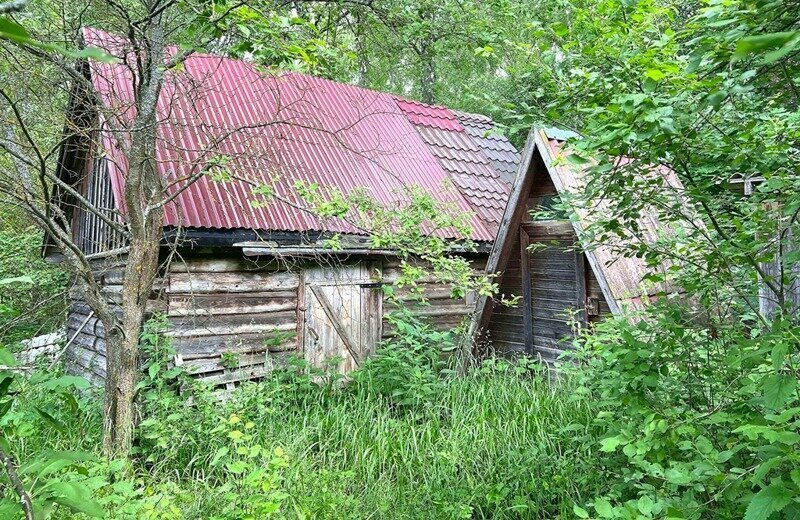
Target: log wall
<point x="443" y="311"/>
<point x="234" y="319"/>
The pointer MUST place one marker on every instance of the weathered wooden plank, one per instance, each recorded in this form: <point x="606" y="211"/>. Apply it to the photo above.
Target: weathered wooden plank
<point x="267" y="318"/>
<point x="525" y="274"/>
<point x="223" y="265"/>
<point x="210" y="346"/>
<point x="334" y="320"/>
<point x="580" y="289"/>
<point x="188" y="306"/>
<point x="226" y="330"/>
<point x="231" y="282"/>
<point x="235" y="361"/>
<point x="561" y="229"/>
<point x="246" y="373"/>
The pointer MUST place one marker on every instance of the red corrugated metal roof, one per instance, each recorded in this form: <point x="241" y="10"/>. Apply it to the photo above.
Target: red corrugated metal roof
<point x="279" y="128"/>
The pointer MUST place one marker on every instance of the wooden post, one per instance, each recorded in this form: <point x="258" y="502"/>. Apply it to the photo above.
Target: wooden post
<point x="301" y="313"/>
<point x="527" y="298"/>
<point x="580" y="287"/>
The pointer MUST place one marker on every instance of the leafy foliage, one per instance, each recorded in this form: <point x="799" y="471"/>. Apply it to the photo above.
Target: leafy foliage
<point x="33" y="298"/>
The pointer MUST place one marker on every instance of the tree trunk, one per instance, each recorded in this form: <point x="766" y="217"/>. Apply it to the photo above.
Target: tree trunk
<point x="428" y="79"/>
<point x="122" y="362"/>
<point x="144" y="191"/>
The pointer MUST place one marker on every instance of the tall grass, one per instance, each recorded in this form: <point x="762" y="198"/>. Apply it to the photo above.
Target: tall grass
<point x="489" y="444"/>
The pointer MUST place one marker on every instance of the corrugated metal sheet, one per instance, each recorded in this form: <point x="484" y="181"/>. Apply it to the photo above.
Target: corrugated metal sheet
<point x="502" y="154"/>
<point x="279" y="128"/>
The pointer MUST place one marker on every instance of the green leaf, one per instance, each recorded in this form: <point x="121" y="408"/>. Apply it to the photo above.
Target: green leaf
<point x="17" y="279"/>
<point x="795" y="476"/>
<point x="11" y="30"/>
<point x="769" y="500"/>
<point x="50" y="420"/>
<point x="7" y="358"/>
<point x="580" y="512"/>
<point x="5" y="384"/>
<point x="781" y="43"/>
<point x="66" y="382"/>
<point x="77" y="497"/>
<point x="221" y="452"/>
<point x="610" y="444"/>
<point x="778" y="388"/>
<point x="14" y="32"/>
<point x="603" y="508"/>
<point x="715" y="99"/>
<point x="560" y="29"/>
<point x="645" y="505"/>
<point x="655" y="74"/>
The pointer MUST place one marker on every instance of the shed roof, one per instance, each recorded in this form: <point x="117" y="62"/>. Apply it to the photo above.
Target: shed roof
<point x="278" y="128"/>
<point x="620" y="277"/>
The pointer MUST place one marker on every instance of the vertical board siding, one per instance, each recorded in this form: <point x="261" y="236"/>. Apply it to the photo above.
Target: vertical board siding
<point x="342" y="314"/>
<point x="93" y="234"/>
<point x="559" y="282"/>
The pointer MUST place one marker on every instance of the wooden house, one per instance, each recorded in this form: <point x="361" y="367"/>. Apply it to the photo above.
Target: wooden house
<point x="247" y="280"/>
<point x="540" y="262"/>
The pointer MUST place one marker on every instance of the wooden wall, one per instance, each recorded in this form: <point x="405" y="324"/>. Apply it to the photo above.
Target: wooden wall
<point x="245" y="309"/>
<point x="443" y="311"/>
<point x="86" y="355"/>
<point x="234" y="319"/>
<point x="554" y="284"/>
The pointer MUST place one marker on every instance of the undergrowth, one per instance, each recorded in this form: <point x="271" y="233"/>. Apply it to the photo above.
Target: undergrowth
<point x="403" y="437"/>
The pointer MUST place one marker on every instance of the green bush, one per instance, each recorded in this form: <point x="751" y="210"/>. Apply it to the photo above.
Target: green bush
<point x="697" y="421"/>
<point x="36" y="300"/>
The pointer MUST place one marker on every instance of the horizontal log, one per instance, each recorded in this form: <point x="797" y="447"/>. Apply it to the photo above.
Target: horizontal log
<point x="93" y="326"/>
<point x="196" y="306"/>
<point x="232" y="282"/>
<point x="227" y="330"/>
<point x="549" y="228"/>
<point x="222" y="265"/>
<point x="87" y="361"/>
<point x="268" y="318"/>
<point x="210" y="346"/>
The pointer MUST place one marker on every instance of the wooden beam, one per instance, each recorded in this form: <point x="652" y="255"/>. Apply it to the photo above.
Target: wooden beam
<point x="527" y="297"/>
<point x="331" y="314"/>
<point x="301" y="314"/>
<point x="547" y="228"/>
<point x="580" y="287"/>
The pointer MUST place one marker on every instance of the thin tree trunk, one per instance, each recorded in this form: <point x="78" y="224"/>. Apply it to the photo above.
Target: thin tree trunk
<point x="16" y="483"/>
<point x="143" y="191"/>
<point x="428" y="76"/>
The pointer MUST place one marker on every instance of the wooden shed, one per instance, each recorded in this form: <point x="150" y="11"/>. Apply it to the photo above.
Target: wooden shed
<point x="247" y="283"/>
<point x="540" y="261"/>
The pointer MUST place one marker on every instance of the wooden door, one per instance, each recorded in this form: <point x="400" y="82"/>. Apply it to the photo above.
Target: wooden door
<point x="554" y="286"/>
<point x="343" y="310"/>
